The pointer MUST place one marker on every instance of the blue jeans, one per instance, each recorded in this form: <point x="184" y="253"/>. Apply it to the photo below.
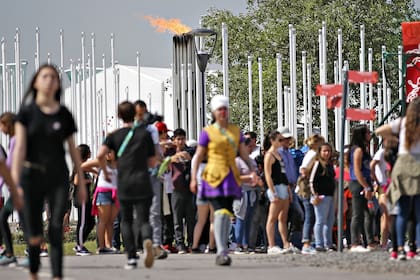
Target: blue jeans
<point x="405" y="203"/>
<point x="309" y="221"/>
<point x="324" y="221"/>
<point x="243" y="227"/>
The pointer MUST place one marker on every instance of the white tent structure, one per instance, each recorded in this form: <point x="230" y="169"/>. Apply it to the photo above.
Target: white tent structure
<point x="96" y="114"/>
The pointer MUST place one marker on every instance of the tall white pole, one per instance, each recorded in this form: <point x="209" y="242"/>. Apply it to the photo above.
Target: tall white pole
<point x="80" y="103"/>
<point x="322" y="80"/>
<point x="138" y="75"/>
<point x="260" y="87"/>
<point x="3" y="73"/>
<point x="37" y="42"/>
<point x="286" y="106"/>
<point x="309" y="79"/>
<point x="362" y="67"/>
<point x="250" y="102"/>
<point x="190" y="104"/>
<point x="225" y="58"/>
<point x="91" y="112"/>
<point x="400" y="74"/>
<point x="93" y="104"/>
<point x="340" y="79"/>
<point x="305" y="97"/>
<point x="105" y="95"/>
<point x="384" y="82"/>
<point x="61" y="52"/>
<point x="49" y="58"/>
<point x="347" y="126"/>
<point x="114" y="71"/>
<point x="84" y="89"/>
<point x="295" y="121"/>
<point x="18" y="70"/>
<point x="370" y="91"/>
<point x="279" y="91"/>
<point x="380" y="102"/>
<point x="388" y="99"/>
<point x="336" y="110"/>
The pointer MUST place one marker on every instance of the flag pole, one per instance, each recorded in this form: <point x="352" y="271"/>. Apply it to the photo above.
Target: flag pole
<point x="279" y="90"/>
<point x="94" y="105"/>
<point x="341" y="181"/>
<point x="37" y="42"/>
<point x="305" y="97"/>
<point x="370" y="91"/>
<point x="225" y="59"/>
<point x="309" y="88"/>
<point x="260" y="87"/>
<point x="322" y="36"/>
<point x="250" y="101"/>
<point x="362" y="67"/>
<point x="138" y="75"/>
<point x="61" y="52"/>
<point x="336" y="110"/>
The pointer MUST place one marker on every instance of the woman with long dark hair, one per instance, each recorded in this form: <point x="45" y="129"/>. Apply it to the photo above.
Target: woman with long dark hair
<point x="43" y="127"/>
<point x="361" y="189"/>
<point x="404" y="190"/>
<point x="221" y="141"/>
<point x="279" y="193"/>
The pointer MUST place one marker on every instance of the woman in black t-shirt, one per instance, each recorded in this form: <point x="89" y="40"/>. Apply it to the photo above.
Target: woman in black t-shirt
<point x="43" y="127"/>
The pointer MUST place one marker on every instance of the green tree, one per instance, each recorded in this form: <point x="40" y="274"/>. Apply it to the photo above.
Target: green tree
<point x="263" y="31"/>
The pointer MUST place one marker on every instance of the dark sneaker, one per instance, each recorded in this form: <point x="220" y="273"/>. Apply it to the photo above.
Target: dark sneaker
<point x="82" y="251"/>
<point x="159" y="253"/>
<point x="223" y="260"/>
<point x="5" y="260"/>
<point x="105" y="251"/>
<point x="148" y="251"/>
<point x="212" y="251"/>
<point x="239" y="250"/>
<point x="196" y="251"/>
<point x="131" y="264"/>
<point x="43" y="253"/>
<point x="320" y="249"/>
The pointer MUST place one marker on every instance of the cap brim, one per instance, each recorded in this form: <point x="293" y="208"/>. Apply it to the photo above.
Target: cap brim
<point x="287" y="135"/>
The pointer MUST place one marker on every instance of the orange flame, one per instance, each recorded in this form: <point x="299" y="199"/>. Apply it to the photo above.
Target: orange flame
<point x="173" y="25"/>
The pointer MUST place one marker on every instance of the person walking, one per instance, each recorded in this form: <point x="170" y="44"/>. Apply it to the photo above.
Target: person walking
<point x="221" y="141"/>
<point x="135" y="152"/>
<point x="43" y="127"/>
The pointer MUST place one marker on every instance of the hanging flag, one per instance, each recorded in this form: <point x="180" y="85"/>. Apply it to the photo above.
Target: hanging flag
<point x="354" y="114"/>
<point x="363" y="77"/>
<point x="329" y="90"/>
<point x="334" y="101"/>
<point x="411" y="42"/>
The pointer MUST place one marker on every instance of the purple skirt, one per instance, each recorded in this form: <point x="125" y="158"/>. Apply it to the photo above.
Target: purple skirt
<point x="228" y="187"/>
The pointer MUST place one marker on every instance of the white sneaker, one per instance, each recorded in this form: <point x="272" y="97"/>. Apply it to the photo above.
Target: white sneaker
<point x="131" y="264"/>
<point x="359" y="249"/>
<point x="275" y="250"/>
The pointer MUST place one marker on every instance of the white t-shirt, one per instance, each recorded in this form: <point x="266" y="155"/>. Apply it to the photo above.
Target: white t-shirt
<point x="154" y="133"/>
<point x="307" y="159"/>
<point x="380" y="168"/>
<point x="395" y="127"/>
<point x="113" y="174"/>
<point x="256" y="152"/>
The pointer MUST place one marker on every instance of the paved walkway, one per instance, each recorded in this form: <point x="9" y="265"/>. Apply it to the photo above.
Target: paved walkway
<point x="244" y="267"/>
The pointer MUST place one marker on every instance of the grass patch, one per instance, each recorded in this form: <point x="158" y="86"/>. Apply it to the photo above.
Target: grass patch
<point x="68" y="248"/>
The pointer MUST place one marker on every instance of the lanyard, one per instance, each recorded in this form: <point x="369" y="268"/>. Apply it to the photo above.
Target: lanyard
<point x="224" y="133"/>
<point x="127" y="139"/>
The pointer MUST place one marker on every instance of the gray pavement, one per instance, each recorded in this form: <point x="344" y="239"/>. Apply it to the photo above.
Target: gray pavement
<point x="344" y="266"/>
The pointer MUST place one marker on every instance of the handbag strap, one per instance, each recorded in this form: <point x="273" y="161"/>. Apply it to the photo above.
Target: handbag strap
<point x="127" y="139"/>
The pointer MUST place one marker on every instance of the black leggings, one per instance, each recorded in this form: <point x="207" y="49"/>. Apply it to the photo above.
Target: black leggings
<point x="142" y="208"/>
<point x="5" y="213"/>
<point x="85" y="222"/>
<point x="361" y="221"/>
<point x="37" y="188"/>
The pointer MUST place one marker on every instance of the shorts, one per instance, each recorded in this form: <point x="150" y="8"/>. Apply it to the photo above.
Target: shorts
<point x="104" y="198"/>
<point x="282" y="192"/>
<point x="201" y="201"/>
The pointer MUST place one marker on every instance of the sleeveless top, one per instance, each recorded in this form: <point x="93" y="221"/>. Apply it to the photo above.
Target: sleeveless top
<point x="365" y="168"/>
<point x="221" y="154"/>
<point x="278" y="174"/>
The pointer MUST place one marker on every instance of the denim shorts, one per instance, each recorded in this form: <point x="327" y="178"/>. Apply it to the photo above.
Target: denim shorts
<point x="282" y="192"/>
<point x="104" y="198"/>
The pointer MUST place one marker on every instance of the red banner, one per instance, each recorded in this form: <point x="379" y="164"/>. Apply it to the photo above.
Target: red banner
<point x="333" y="102"/>
<point x="354" y="114"/>
<point x="363" y="77"/>
<point x="411" y="42"/>
<point x="329" y="90"/>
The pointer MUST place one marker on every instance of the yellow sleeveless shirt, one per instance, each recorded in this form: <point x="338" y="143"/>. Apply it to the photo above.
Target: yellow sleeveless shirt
<point x="221" y="155"/>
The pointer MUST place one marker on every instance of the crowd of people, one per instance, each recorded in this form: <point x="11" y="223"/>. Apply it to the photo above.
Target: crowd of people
<point x="219" y="195"/>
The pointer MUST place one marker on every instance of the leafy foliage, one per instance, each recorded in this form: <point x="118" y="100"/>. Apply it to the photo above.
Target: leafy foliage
<point x="263" y="31"/>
